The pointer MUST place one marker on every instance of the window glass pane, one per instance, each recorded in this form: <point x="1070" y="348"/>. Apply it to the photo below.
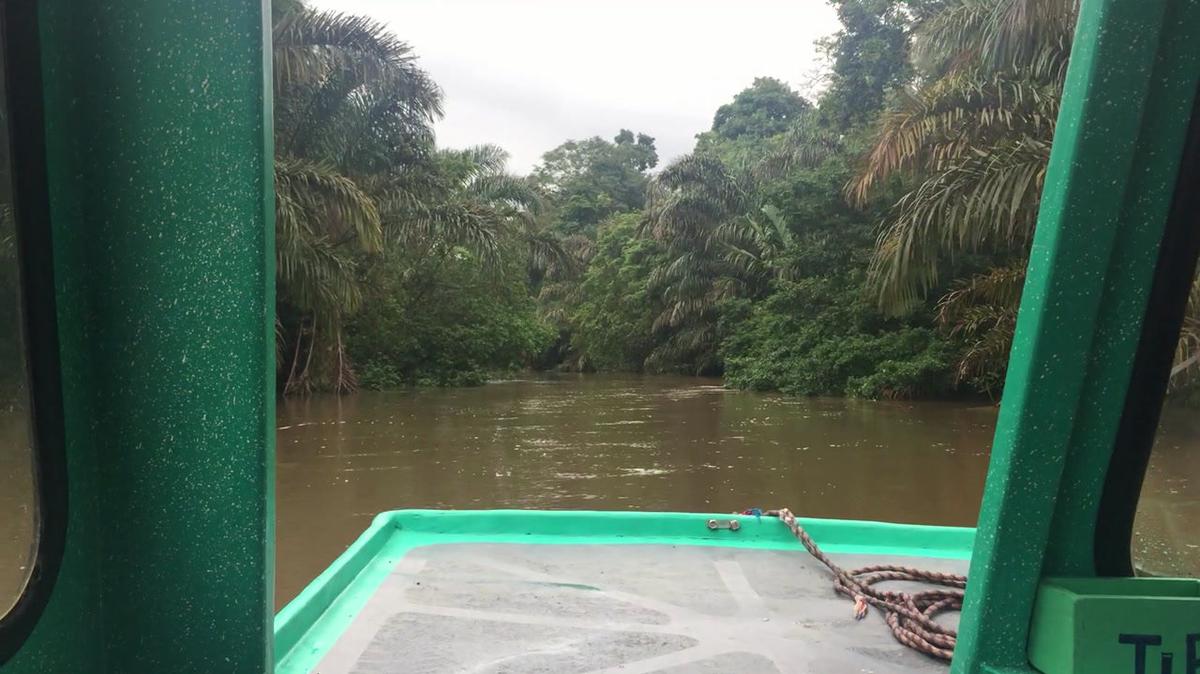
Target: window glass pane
<point x="18" y="494"/>
<point x="1166" y="535"/>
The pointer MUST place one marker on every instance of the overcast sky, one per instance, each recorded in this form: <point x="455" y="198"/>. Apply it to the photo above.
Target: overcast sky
<point x="529" y="74"/>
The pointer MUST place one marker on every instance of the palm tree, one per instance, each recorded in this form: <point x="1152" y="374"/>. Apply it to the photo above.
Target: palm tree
<point x="702" y="212"/>
<point x="558" y="290"/>
<point x="975" y="136"/>
<point x="686" y="205"/>
<point x="723" y="238"/>
<point x="982" y="310"/>
<point x="970" y="143"/>
<point x="353" y="116"/>
<point x="469" y="201"/>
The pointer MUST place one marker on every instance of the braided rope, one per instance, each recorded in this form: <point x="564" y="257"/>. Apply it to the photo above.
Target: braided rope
<point x="910" y="616"/>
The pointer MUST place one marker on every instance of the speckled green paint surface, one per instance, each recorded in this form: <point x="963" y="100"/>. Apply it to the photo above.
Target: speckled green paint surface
<point x="1077" y="622"/>
<point x="159" y="159"/>
<point x="309" y="625"/>
<point x="1172" y="82"/>
<point x="158" y="148"/>
<point x="1129" y="90"/>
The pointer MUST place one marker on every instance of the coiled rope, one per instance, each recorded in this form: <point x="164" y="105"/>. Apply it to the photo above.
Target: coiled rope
<point x="910" y="616"/>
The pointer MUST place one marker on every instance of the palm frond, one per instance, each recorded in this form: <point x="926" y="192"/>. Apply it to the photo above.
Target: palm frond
<point x="950" y="119"/>
<point x="806" y="145"/>
<point x="308" y="44"/>
<point x="1186" y="370"/>
<point x="456" y="224"/>
<point x="315" y="276"/>
<point x="382" y="124"/>
<point x="982" y="311"/>
<point x="328" y="203"/>
<point x="689" y="199"/>
<point x="477" y="160"/>
<point x="753" y="244"/>
<point x="995" y="33"/>
<point x="546" y="253"/>
<point x="988" y="201"/>
<point x="515" y="192"/>
<point x="998" y="287"/>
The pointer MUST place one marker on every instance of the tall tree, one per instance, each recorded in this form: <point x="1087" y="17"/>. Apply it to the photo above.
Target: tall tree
<point x="970" y="143"/>
<point x="713" y="213"/>
<point x="587" y="181"/>
<point x="869" y="57"/>
<point x="612" y="311"/>
<point x="752" y="126"/>
<point x="448" y="294"/>
<point x="353" y="115"/>
<point x="766" y="108"/>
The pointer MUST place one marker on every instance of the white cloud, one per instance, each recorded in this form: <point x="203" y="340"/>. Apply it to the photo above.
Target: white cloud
<point x="529" y="74"/>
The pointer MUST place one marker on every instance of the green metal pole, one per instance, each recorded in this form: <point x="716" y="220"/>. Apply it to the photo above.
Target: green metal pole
<point x="1129" y="91"/>
<point x="159" y="157"/>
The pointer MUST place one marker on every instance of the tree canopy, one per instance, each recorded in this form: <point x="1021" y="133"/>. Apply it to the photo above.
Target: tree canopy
<point x="590" y="180"/>
<point x="869" y="242"/>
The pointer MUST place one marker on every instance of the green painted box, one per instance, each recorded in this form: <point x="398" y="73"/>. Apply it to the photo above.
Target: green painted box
<point x="1116" y="626"/>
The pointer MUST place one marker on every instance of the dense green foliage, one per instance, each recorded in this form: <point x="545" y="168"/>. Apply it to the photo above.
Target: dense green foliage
<point x="612" y="321"/>
<point x="819" y="336"/>
<point x="869" y="57"/>
<point x="870" y="242"/>
<point x="768" y="108"/>
<point x="445" y="321"/>
<point x="378" y="229"/>
<point x="590" y="180"/>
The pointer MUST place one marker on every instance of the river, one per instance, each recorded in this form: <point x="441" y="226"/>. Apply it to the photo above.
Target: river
<point x="620" y="442"/>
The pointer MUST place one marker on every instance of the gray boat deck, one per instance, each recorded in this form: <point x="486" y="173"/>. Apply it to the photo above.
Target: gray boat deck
<point x="609" y="609"/>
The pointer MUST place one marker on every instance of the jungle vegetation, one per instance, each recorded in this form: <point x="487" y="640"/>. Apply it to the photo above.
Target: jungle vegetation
<point x="869" y="242"/>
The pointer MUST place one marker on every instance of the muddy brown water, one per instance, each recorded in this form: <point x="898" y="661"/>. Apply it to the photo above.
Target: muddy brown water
<point x="629" y="443"/>
<point x="661" y="443"/>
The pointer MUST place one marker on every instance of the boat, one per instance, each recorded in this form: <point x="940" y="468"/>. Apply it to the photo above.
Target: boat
<point x="530" y="591"/>
<point x="141" y="148"/>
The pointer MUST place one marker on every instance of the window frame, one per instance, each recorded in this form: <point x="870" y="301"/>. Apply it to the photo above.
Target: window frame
<point x="1166" y="306"/>
<point x="31" y="209"/>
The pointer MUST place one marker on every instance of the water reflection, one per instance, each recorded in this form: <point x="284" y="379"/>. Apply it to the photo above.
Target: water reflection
<point x="1166" y="533"/>
<point x="609" y="442"/>
<point x="18" y="502"/>
<point x="649" y="443"/>
<point x="18" y="514"/>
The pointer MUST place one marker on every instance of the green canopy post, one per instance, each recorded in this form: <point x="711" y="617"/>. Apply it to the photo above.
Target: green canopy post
<point x="158" y="159"/>
<point x="1118" y="149"/>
